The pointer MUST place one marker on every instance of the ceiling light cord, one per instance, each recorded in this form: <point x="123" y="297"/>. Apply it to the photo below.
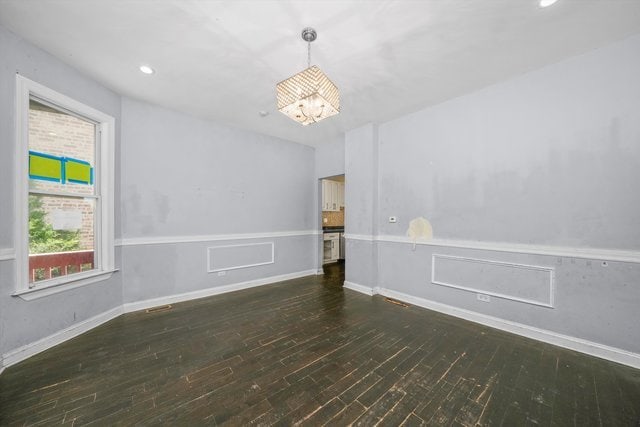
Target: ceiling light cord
<point x="309" y="35"/>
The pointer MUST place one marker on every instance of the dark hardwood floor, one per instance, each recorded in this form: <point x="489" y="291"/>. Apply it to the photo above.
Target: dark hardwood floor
<point x="307" y="351"/>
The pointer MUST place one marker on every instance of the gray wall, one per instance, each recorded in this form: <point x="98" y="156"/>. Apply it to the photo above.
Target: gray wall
<point x="330" y="159"/>
<point x="550" y="158"/>
<point x="183" y="176"/>
<point x="546" y="160"/>
<point x="361" y="203"/>
<point x="23" y="322"/>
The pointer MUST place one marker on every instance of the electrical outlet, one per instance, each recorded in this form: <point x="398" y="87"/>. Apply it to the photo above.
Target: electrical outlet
<point x="222" y="273"/>
<point x="483" y="297"/>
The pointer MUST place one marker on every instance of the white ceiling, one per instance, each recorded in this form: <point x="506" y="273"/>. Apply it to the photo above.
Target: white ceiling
<point x="222" y="59"/>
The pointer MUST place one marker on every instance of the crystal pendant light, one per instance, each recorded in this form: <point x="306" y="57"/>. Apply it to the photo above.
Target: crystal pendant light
<point x="309" y="96"/>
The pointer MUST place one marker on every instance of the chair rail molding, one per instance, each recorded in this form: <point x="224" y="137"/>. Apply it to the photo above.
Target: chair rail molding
<point x="163" y="240"/>
<point x="557" y="251"/>
<point x="7" y="254"/>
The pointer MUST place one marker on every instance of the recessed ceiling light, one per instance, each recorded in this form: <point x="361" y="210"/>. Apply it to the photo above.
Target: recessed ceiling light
<point x="146" y="69"/>
<point x="547" y="3"/>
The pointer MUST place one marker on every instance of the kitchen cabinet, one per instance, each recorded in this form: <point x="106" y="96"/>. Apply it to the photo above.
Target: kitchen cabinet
<point x="332" y="195"/>
<point x="329" y="192"/>
<point x="331" y="247"/>
<point x="325" y="198"/>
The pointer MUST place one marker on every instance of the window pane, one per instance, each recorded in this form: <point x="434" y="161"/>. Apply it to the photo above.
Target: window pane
<point x="61" y="236"/>
<point x="61" y="151"/>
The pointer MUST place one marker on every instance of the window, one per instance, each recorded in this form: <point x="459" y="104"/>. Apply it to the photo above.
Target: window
<point x="64" y="194"/>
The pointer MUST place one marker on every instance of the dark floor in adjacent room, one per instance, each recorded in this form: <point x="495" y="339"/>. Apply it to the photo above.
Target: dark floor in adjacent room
<point x="308" y="351"/>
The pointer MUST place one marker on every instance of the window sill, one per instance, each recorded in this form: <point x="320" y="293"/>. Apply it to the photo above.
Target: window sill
<point x="54" y="288"/>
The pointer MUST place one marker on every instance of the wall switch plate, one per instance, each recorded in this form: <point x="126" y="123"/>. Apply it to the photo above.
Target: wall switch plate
<point x="483" y="297"/>
<point x="393" y="219"/>
<point x="325" y="220"/>
<point x="222" y="273"/>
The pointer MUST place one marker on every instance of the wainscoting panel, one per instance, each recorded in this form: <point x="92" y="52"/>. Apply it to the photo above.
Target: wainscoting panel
<point x="231" y="257"/>
<point x="517" y="282"/>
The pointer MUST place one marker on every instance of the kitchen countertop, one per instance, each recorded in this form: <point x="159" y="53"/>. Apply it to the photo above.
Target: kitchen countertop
<point x="333" y="229"/>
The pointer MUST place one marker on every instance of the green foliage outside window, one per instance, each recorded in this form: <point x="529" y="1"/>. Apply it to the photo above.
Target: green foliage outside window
<point x="43" y="238"/>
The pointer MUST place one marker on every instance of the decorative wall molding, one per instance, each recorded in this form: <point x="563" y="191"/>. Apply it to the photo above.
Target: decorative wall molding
<point x="203" y="293"/>
<point x="583" y="346"/>
<point x="557" y="251"/>
<point x="7" y="254"/>
<point x="210" y="268"/>
<point x="21" y="353"/>
<point x="163" y="240"/>
<point x="549" y="270"/>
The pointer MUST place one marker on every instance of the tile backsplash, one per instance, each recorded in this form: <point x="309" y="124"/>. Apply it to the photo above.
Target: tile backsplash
<point x="333" y="218"/>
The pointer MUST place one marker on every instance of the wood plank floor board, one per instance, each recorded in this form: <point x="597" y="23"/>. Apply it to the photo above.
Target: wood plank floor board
<point x="380" y="407"/>
<point x="348" y="415"/>
<point x="324" y="413"/>
<point x="413" y="420"/>
<point x="308" y="352"/>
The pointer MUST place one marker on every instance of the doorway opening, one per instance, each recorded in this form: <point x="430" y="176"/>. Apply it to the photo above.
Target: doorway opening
<point x="332" y="221"/>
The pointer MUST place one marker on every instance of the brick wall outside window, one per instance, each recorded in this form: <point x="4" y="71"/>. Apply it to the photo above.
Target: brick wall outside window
<point x="60" y="134"/>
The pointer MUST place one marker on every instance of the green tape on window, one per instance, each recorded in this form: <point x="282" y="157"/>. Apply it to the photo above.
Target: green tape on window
<point x="45" y="167"/>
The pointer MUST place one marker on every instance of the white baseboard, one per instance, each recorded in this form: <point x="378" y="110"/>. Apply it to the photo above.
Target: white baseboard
<point x="172" y="299"/>
<point x="359" y="288"/>
<point x="583" y="346"/>
<point x="21" y="353"/>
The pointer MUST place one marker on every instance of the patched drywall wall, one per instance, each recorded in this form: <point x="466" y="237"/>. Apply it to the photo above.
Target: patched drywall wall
<point x="531" y="177"/>
<point x="419" y="229"/>
<point x="549" y="158"/>
<point x="185" y="178"/>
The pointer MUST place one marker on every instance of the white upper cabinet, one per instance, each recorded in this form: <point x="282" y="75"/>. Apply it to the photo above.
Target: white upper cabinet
<point x="332" y="195"/>
<point x="324" y="195"/>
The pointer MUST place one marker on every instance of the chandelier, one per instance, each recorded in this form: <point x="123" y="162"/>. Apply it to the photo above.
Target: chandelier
<point x="309" y="96"/>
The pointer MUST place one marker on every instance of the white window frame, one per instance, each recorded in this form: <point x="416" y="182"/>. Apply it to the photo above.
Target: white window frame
<point x="104" y="211"/>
